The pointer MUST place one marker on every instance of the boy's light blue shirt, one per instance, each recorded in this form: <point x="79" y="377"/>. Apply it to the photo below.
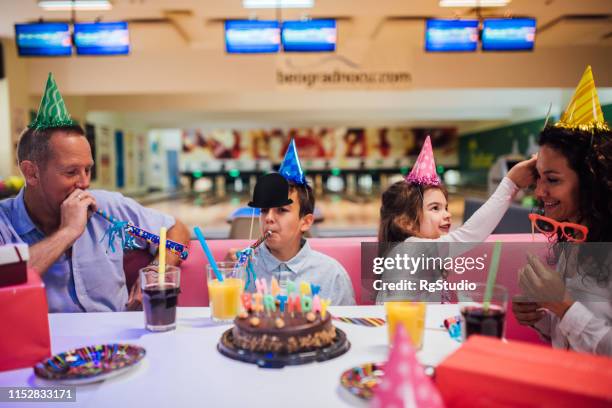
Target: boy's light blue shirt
<point x="91" y="279"/>
<point x="308" y="266"/>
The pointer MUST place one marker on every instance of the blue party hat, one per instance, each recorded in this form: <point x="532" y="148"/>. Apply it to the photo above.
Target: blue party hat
<point x="291" y="169"/>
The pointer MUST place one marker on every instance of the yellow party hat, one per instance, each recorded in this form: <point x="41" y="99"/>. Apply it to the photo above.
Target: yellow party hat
<point x="584" y="111"/>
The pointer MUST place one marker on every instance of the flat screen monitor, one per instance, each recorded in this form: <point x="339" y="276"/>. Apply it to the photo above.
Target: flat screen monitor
<point x="309" y="36"/>
<point x="43" y="39"/>
<point x="252" y="36"/>
<point x="512" y="34"/>
<point x="107" y="38"/>
<point x="451" y="35"/>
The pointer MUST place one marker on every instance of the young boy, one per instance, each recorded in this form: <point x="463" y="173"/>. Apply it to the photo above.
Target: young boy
<point x="287" y="212"/>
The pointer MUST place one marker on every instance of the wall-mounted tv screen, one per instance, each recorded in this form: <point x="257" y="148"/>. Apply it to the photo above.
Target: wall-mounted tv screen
<point x="43" y="39"/>
<point x="511" y="34"/>
<point x="451" y="35"/>
<point x="309" y="36"/>
<point x="107" y="38"/>
<point x="252" y="36"/>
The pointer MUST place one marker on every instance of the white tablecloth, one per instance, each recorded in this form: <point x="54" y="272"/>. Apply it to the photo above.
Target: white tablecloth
<point x="183" y="367"/>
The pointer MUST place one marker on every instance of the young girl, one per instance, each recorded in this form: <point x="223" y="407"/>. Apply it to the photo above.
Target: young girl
<point x="416" y="210"/>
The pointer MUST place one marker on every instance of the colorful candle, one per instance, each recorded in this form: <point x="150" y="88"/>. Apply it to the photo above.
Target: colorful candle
<point x="294" y="304"/>
<point x="275" y="288"/>
<point x="258" y="304"/>
<point x="304" y="288"/>
<point x="246" y="301"/>
<point x="315" y="289"/>
<point x="290" y="288"/>
<point x="306" y="304"/>
<point x="316" y="304"/>
<point x="282" y="300"/>
<point x="324" y="304"/>
<point x="269" y="304"/>
<point x="261" y="285"/>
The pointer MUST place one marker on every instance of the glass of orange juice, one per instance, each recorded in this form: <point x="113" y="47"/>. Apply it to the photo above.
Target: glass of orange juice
<point x="411" y="315"/>
<point x="224" y="296"/>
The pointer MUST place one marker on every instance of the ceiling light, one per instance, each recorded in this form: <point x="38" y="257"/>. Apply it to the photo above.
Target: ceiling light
<point x="54" y="5"/>
<point x="473" y="3"/>
<point x="277" y="3"/>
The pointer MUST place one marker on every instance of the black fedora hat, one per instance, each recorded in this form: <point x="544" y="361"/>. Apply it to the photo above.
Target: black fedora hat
<point x="271" y="191"/>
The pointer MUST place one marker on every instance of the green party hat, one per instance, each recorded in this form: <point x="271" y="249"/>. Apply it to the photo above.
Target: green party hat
<point x="52" y="111"/>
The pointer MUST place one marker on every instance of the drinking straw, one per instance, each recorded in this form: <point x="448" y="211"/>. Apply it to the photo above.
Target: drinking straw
<point x="252" y="220"/>
<point x="162" y="256"/>
<point x="492" y="275"/>
<point x="209" y="255"/>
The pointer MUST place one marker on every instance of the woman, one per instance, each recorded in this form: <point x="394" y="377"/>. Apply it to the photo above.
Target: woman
<point x="572" y="306"/>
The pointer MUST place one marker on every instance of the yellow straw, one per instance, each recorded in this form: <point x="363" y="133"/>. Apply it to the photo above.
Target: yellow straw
<point x="162" y="256"/>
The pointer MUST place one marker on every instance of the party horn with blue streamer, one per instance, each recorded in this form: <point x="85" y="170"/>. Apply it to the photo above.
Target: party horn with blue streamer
<point x="124" y="226"/>
<point x="244" y="257"/>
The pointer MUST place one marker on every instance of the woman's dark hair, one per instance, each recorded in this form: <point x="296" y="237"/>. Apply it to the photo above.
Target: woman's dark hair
<point x="402" y="204"/>
<point x="589" y="154"/>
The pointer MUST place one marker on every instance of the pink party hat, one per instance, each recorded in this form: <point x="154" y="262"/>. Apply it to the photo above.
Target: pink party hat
<point x="405" y="383"/>
<point x="424" y="170"/>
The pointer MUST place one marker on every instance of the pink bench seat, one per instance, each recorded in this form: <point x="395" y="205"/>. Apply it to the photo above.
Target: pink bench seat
<point x="348" y="252"/>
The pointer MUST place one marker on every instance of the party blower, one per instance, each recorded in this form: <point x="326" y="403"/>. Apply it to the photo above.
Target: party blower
<point x="119" y="228"/>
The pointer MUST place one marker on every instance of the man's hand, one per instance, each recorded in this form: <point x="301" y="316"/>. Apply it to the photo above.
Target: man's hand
<point x="74" y="212"/>
<point x="526" y="311"/>
<point x="523" y="173"/>
<point x="135" y="299"/>
<point x="73" y="220"/>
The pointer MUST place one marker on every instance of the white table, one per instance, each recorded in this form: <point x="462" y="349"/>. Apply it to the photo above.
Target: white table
<point x="183" y="367"/>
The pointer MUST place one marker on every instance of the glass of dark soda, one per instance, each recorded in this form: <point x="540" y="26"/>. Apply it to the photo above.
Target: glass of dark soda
<point x="480" y="317"/>
<point x="160" y="297"/>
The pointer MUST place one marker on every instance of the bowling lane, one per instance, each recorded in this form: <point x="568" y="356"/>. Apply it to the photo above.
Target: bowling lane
<point x="341" y="217"/>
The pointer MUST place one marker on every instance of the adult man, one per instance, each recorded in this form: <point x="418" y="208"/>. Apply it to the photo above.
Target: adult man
<point x="53" y="214"/>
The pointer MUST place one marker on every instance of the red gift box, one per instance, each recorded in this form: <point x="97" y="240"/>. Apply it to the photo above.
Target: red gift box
<point x="13" y="264"/>
<point x="486" y="372"/>
<point x="25" y="324"/>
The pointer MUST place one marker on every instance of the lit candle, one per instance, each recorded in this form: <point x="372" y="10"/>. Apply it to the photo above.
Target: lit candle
<point x="304" y="288"/>
<point x="316" y="304"/>
<point x="269" y="304"/>
<point x="261" y="286"/>
<point x="275" y="287"/>
<point x="246" y="301"/>
<point x="306" y="304"/>
<point x="324" y="304"/>
<point x="258" y="306"/>
<point x="315" y="289"/>
<point x="282" y="299"/>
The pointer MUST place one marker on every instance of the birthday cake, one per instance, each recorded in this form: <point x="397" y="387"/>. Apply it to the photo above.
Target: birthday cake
<point x="283" y="324"/>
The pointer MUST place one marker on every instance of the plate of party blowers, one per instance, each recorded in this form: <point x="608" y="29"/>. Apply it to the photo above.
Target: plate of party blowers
<point x="363" y="380"/>
<point x="90" y="364"/>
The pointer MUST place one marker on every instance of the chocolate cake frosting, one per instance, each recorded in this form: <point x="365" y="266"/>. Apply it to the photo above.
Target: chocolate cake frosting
<point x="283" y="332"/>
